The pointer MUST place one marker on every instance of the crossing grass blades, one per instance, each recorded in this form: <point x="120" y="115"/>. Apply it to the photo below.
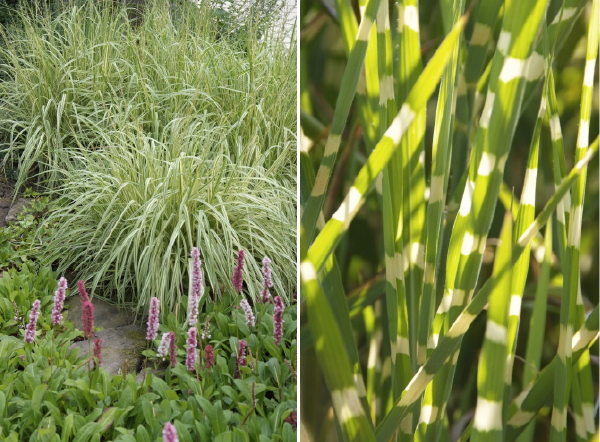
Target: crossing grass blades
<point x="442" y="251"/>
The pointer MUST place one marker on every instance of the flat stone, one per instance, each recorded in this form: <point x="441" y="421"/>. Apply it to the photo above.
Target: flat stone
<point x="17" y="208"/>
<point x="121" y="348"/>
<point x="105" y="315"/>
<point x="5" y="203"/>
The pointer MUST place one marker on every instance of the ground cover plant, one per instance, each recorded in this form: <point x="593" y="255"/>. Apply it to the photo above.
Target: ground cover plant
<point x="230" y="373"/>
<point x="449" y="234"/>
<point x="153" y="136"/>
<point x="147" y="137"/>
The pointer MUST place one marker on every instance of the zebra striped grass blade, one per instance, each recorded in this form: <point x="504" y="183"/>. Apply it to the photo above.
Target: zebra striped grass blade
<point x="327" y="239"/>
<point x="333" y="290"/>
<point x="564" y="370"/>
<point x="488" y="421"/>
<point x="342" y="108"/>
<point x="440" y="162"/>
<point x="524" y="408"/>
<point x="535" y="341"/>
<point x="334" y="362"/>
<point x="448" y="345"/>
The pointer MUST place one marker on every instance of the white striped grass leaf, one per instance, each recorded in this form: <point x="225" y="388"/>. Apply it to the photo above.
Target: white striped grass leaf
<point x="513" y="65"/>
<point x="410" y="156"/>
<point x="525" y="216"/>
<point x="446" y="349"/>
<point x="367" y="83"/>
<point x="441" y="155"/>
<point x="535" y="340"/>
<point x="564" y="370"/>
<point x="342" y="108"/>
<point x="325" y="242"/>
<point x="559" y="169"/>
<point x="524" y="408"/>
<point x="488" y="422"/>
<point x="333" y="290"/>
<point x="560" y="25"/>
<point x="335" y="364"/>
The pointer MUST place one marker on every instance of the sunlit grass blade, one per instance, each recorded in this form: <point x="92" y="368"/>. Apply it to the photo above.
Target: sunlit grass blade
<point x="533" y="354"/>
<point x="334" y="362"/>
<point x="525" y="407"/>
<point x="445" y="351"/>
<point x="347" y="91"/>
<point x="488" y="422"/>
<point x="564" y="369"/>
<point x="327" y="239"/>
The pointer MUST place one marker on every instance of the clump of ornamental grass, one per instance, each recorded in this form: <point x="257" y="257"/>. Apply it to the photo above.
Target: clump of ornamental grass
<point x="181" y="139"/>
<point x="139" y="211"/>
<point x="448" y="257"/>
<point x="61" y="94"/>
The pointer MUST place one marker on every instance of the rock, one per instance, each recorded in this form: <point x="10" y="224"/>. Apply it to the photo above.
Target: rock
<point x="121" y="348"/>
<point x="17" y="208"/>
<point x="105" y="315"/>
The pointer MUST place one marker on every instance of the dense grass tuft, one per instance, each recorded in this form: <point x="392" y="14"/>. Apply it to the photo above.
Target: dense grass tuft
<point x="157" y="137"/>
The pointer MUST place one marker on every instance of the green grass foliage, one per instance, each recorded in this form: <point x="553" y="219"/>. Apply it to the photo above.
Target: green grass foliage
<point x="155" y="137"/>
<point x="449" y="235"/>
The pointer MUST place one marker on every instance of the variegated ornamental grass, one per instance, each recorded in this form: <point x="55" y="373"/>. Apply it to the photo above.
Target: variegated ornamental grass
<point x="445" y="254"/>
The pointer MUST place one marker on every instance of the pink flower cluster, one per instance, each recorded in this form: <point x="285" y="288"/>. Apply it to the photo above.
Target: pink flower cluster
<point x="278" y="320"/>
<point x="59" y="299"/>
<point x="173" y="349"/>
<point x="87" y="310"/>
<point x="152" y="329"/>
<point x="248" y="312"/>
<point x="83" y="294"/>
<point x="267" y="280"/>
<point x="170" y="433"/>
<point x="167" y="343"/>
<point x="33" y="318"/>
<point x="98" y="350"/>
<point x="197" y="287"/>
<point x="209" y="357"/>
<point x="192" y="343"/>
<point x="292" y="419"/>
<point x="238" y="277"/>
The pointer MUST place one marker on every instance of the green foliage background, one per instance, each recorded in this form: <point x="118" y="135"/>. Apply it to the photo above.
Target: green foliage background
<point x="360" y="254"/>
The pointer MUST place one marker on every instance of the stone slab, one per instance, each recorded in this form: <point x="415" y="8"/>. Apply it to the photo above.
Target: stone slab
<point x="121" y="348"/>
<point x="105" y="315"/>
<point x="17" y="208"/>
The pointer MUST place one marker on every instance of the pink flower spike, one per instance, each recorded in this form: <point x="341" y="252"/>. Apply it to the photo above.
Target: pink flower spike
<point x="83" y="295"/>
<point x="87" y="314"/>
<point x="209" y="356"/>
<point x="165" y="343"/>
<point x="192" y="343"/>
<point x="278" y="320"/>
<point x="33" y="318"/>
<point x="170" y="433"/>
<point x="238" y="277"/>
<point x="248" y="312"/>
<point x="152" y="329"/>
<point x="197" y="288"/>
<point x="59" y="299"/>
<point x="172" y="349"/>
<point x="98" y="350"/>
<point x="267" y="280"/>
